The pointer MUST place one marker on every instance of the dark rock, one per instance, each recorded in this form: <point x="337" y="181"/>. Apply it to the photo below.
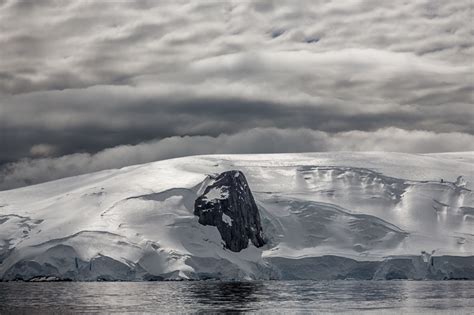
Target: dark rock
<point x="150" y="277"/>
<point x="227" y="203"/>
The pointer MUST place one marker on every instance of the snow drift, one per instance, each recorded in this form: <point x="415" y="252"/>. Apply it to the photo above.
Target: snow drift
<point x="321" y="215"/>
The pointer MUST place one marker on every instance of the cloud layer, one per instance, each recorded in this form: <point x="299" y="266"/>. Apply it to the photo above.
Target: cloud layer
<point x="78" y="77"/>
<point x="259" y="140"/>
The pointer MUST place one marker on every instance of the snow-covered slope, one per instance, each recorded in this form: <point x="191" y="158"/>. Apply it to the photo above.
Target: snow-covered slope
<point x="376" y="211"/>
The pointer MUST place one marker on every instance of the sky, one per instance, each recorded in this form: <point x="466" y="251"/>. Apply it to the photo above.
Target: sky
<point x="93" y="85"/>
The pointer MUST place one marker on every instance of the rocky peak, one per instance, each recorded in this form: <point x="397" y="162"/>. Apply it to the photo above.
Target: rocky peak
<point x="228" y="204"/>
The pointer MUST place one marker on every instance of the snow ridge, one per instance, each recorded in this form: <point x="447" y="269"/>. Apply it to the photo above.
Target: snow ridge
<point x="334" y="215"/>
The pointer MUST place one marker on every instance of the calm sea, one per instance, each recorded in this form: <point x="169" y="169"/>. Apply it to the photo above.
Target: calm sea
<point x="377" y="297"/>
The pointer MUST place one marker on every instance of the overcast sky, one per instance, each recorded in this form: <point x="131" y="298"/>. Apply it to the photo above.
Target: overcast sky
<point x="90" y="85"/>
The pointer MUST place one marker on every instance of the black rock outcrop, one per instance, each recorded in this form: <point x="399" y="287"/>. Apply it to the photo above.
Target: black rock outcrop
<point x="227" y="203"/>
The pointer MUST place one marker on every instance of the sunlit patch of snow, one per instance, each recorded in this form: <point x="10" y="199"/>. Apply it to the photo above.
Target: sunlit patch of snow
<point x="227" y="219"/>
<point x="217" y="193"/>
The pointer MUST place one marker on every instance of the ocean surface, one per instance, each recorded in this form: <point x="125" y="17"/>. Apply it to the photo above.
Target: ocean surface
<point x="377" y="297"/>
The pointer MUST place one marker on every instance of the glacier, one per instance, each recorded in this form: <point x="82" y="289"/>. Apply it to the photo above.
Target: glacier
<point x="334" y="215"/>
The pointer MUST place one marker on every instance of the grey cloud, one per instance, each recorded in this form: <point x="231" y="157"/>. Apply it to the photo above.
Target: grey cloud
<point x="259" y="140"/>
<point x="90" y="128"/>
<point x="84" y="76"/>
<point x="130" y="115"/>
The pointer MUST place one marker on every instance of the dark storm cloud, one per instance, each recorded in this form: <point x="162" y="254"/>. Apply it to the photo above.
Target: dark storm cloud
<point x="258" y="140"/>
<point x="84" y="76"/>
<point x="89" y="128"/>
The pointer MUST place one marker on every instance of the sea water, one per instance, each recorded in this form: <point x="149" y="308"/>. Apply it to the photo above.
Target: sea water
<point x="377" y="297"/>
